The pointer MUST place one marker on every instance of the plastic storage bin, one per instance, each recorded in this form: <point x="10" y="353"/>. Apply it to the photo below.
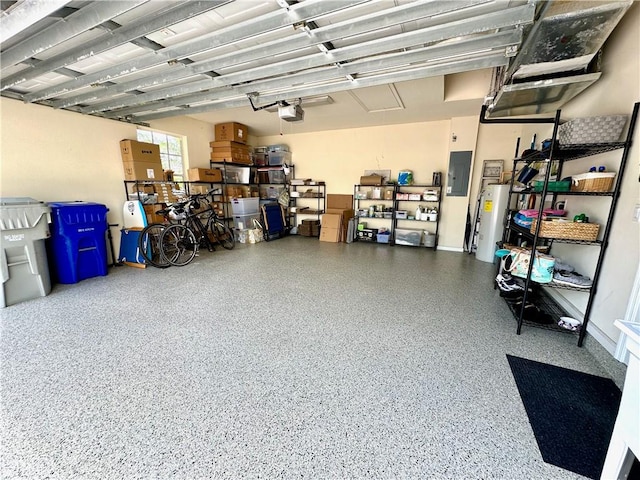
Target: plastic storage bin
<point x="278" y="148"/>
<point x="271" y="192"/>
<point x="279" y="158"/>
<point x="78" y="243"/>
<point x="234" y="174"/>
<point x="242" y="222"/>
<point x="24" y="271"/>
<point x="243" y="206"/>
<point x="277" y="176"/>
<point x="408" y="237"/>
<point x="429" y="240"/>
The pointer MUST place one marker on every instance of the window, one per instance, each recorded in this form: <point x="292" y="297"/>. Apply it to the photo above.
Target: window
<point x="170" y="151"/>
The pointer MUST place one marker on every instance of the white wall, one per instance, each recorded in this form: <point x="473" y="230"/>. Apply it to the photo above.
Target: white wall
<point x="53" y="155"/>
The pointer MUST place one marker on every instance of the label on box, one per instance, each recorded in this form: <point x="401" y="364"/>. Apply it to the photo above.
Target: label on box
<point x="141" y="171"/>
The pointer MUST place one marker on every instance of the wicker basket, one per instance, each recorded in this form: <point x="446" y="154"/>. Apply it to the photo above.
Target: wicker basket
<point x="592" y="129"/>
<point x="587" y="232"/>
<point x="593" y="182"/>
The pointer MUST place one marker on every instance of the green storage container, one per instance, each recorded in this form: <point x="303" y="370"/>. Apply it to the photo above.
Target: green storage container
<point x="564" y="186"/>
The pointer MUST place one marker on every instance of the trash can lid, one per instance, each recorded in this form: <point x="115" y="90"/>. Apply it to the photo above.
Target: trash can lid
<point x="22" y="212"/>
<point x="75" y="203"/>
<point x="15" y="201"/>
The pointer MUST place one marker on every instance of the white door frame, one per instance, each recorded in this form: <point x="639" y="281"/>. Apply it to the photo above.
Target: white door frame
<point x="631" y="315"/>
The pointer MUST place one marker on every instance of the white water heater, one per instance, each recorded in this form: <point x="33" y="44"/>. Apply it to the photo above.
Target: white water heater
<point x="493" y="205"/>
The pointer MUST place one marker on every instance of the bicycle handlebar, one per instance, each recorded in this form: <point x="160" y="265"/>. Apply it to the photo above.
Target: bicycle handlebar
<point x="190" y="204"/>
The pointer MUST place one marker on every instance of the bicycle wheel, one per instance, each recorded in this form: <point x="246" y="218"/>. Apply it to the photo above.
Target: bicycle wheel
<point x="223" y="235"/>
<point x="149" y="245"/>
<point x="179" y="245"/>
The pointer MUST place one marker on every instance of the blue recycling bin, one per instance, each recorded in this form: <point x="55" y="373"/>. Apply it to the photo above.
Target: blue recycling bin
<point x="78" y="240"/>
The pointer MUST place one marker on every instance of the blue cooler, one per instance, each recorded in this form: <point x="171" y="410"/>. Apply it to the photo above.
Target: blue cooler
<point x="78" y="243"/>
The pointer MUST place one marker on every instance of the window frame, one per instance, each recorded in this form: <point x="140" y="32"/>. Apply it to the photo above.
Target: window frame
<point x="169" y="158"/>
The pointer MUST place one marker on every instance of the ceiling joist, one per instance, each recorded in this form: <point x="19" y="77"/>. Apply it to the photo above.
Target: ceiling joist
<point x="120" y="59"/>
<point x="338" y="56"/>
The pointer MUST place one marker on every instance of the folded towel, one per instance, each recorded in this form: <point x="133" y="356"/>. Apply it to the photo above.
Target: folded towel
<point x="547" y="211"/>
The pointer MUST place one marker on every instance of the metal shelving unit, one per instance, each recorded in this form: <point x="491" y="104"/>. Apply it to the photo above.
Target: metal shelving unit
<point x="362" y="205"/>
<point x="392" y="205"/>
<point x="314" y="193"/>
<point x="412" y="189"/>
<point x="557" y="156"/>
<point x="252" y="182"/>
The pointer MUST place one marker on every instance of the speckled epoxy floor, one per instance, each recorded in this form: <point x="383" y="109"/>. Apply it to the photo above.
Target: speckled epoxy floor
<point x="292" y="358"/>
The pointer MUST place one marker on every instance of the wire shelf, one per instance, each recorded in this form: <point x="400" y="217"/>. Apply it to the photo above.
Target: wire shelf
<point x="546" y="305"/>
<point x="574" y="152"/>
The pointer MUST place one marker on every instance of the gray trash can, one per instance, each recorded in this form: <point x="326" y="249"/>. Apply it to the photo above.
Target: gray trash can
<point x="24" y="270"/>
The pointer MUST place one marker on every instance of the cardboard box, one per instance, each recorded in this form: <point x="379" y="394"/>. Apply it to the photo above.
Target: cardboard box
<point x="339" y="201"/>
<point x="336" y="219"/>
<point x="243" y="158"/>
<point x="345" y="215"/>
<point x="152" y="216"/>
<point x="218" y="207"/>
<point x="227" y="151"/>
<point x="198" y="189"/>
<point x="204" y="175"/>
<point x="142" y="171"/>
<point x="371" y="180"/>
<point x="231" y="131"/>
<point x="165" y="193"/>
<point x="332" y="235"/>
<point x="331" y="220"/>
<point x="167" y="198"/>
<point x="225" y="146"/>
<point x="304" y="230"/>
<point x="238" y="191"/>
<point x="505" y="177"/>
<point x="134" y="151"/>
<point x="309" y="229"/>
<point x="147" y="188"/>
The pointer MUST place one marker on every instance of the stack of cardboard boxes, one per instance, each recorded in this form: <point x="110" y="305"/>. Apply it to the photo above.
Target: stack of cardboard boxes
<point x="230" y="144"/>
<point x="309" y="228"/>
<point x="141" y="161"/>
<point x="335" y="220"/>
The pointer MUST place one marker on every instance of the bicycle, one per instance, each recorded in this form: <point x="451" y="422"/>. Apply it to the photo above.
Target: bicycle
<point x="180" y="242"/>
<point x="149" y="238"/>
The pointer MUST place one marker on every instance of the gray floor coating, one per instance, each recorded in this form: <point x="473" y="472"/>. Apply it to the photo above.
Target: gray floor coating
<point x="287" y="359"/>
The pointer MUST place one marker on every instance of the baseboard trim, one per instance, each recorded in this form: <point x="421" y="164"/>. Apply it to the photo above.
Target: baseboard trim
<point x="451" y="249"/>
<point x="608" y="344"/>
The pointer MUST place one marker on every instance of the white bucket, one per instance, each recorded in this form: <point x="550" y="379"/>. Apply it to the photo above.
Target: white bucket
<point x="429" y="239"/>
